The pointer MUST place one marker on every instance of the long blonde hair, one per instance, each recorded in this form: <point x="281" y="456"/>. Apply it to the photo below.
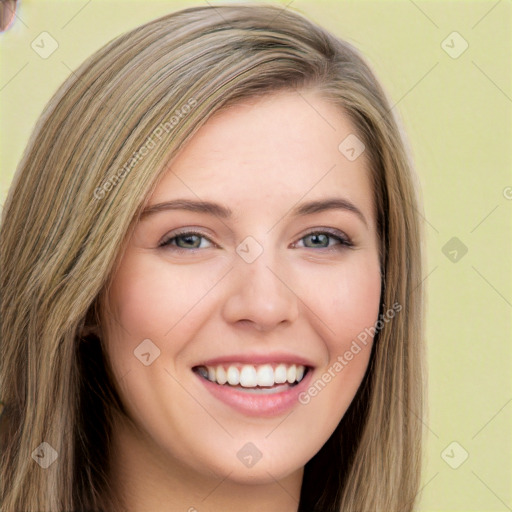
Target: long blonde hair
<point x="77" y="193"/>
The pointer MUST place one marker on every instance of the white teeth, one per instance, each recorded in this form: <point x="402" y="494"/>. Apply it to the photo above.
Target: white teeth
<point x="253" y="376"/>
<point x="248" y="377"/>
<point x="233" y="376"/>
<point x="291" y="374"/>
<point x="221" y="375"/>
<point x="280" y="374"/>
<point x="265" y="375"/>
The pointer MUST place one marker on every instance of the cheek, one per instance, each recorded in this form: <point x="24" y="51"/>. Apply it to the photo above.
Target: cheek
<point x="349" y="307"/>
<point x="347" y="302"/>
<point x="151" y="297"/>
<point x="356" y="301"/>
<point x="144" y="305"/>
<point x="156" y="300"/>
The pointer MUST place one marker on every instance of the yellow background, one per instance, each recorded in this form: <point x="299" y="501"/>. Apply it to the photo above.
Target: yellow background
<point x="457" y="114"/>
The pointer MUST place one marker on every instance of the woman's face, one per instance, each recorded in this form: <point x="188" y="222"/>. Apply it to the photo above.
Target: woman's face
<point x="256" y="261"/>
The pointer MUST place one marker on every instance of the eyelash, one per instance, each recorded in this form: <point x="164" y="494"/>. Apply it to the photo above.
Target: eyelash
<point x="344" y="240"/>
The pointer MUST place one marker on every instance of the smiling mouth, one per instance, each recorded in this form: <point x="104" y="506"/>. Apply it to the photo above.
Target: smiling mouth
<point x="264" y="378"/>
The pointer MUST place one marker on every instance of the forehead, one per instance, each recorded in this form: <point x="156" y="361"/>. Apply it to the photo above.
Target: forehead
<point x="273" y="152"/>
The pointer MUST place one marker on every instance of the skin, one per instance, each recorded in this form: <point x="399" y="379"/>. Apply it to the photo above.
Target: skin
<point x="305" y="295"/>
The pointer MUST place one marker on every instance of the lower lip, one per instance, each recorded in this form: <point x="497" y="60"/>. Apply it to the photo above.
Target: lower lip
<point x="252" y="404"/>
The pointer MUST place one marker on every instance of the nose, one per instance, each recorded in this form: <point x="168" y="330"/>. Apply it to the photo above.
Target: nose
<point x="259" y="295"/>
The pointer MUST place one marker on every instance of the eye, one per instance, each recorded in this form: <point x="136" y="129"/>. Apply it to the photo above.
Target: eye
<point x="322" y="239"/>
<point x="185" y="240"/>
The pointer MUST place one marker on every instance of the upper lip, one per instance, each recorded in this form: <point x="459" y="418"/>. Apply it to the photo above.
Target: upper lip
<point x="254" y="359"/>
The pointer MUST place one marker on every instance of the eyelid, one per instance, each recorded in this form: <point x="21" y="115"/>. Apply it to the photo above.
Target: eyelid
<point x="185" y="231"/>
<point x="344" y="239"/>
<point x="333" y="232"/>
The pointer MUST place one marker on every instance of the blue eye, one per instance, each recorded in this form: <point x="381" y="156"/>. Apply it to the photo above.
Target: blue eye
<point x="322" y="239"/>
<point x="185" y="240"/>
<point x="191" y="240"/>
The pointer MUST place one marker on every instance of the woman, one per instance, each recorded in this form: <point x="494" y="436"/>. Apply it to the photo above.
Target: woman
<point x="211" y="279"/>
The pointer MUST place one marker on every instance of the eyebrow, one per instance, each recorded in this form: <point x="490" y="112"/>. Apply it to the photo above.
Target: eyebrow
<point x="223" y="212"/>
<point x="333" y="203"/>
<point x="190" y="205"/>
